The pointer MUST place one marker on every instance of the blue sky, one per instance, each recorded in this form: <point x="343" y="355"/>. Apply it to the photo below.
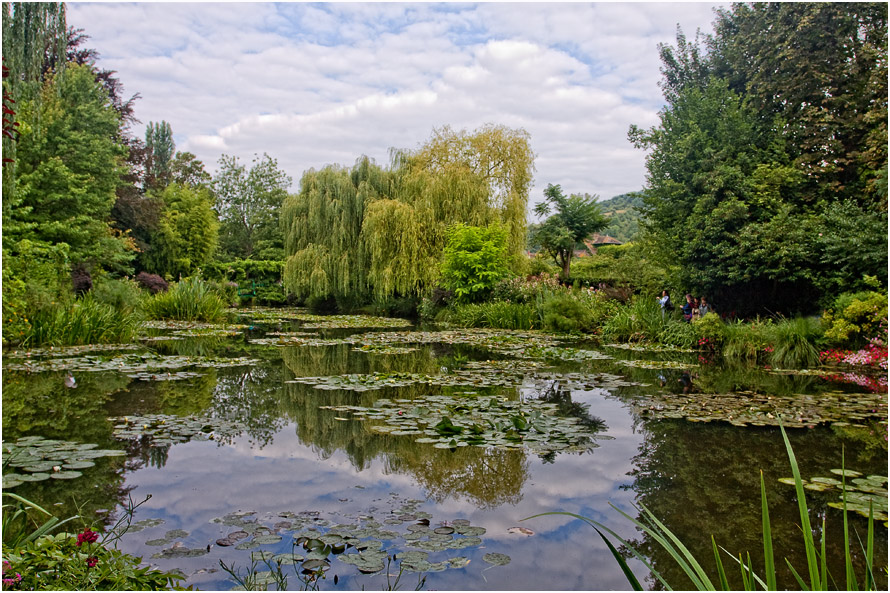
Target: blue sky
<point x="313" y="84"/>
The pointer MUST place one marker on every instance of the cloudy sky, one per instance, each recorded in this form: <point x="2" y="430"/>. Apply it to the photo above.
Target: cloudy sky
<point x="318" y="83"/>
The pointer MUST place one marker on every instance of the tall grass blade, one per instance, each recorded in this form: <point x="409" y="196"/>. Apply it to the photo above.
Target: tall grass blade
<point x="870" y="551"/>
<point x="797" y="577"/>
<point x="724" y="583"/>
<point x="852" y="585"/>
<point x="596" y="524"/>
<point x="812" y="560"/>
<point x="824" y="559"/>
<point x="628" y="573"/>
<point x="753" y="574"/>
<point x="769" y="560"/>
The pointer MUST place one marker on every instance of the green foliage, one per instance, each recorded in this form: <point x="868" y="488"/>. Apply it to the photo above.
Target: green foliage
<point x="159" y="149"/>
<point x="124" y="294"/>
<point x="623" y="214"/>
<point x="494" y="314"/>
<point x="576" y="218"/>
<point x="853" y="318"/>
<point x="746" y="341"/>
<point x="34" y="276"/>
<point x="248" y="202"/>
<point x="765" y="187"/>
<point x="83" y="321"/>
<point x="191" y="299"/>
<point x="640" y="320"/>
<point x="679" y="334"/>
<point x="711" y="328"/>
<point x="625" y="267"/>
<point x="474" y="260"/>
<point x="354" y="233"/>
<point x="68" y="166"/>
<point x="793" y="343"/>
<point x="565" y="313"/>
<point x="187" y="232"/>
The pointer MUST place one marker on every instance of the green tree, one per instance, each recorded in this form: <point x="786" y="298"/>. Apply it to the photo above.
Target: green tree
<point x="248" y="202"/>
<point x="186" y="235"/>
<point x="187" y="169"/>
<point x="351" y="233"/>
<point x="69" y="164"/>
<point x="159" y="150"/>
<point x="576" y="217"/>
<point x="474" y="260"/>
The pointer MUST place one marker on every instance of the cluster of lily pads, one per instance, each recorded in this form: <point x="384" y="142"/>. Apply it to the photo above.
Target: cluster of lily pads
<point x="146" y="365"/>
<point x="313" y="543"/>
<point x="448" y="422"/>
<point x="164" y="430"/>
<point x="35" y="458"/>
<point x="861" y="491"/>
<point x="657" y="364"/>
<point x="478" y="374"/>
<point x="756" y="409"/>
<point x="192" y="326"/>
<point x="349" y="321"/>
<point x="57" y="351"/>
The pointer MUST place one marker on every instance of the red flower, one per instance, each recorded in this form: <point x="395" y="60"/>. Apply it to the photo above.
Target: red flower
<point x="92" y="561"/>
<point x="87" y="536"/>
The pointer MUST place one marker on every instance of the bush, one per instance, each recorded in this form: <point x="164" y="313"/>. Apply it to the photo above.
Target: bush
<point x="57" y="562"/>
<point x="152" y="282"/>
<point x="710" y="328"/>
<point x="122" y="294"/>
<point x="527" y="290"/>
<point x="495" y="314"/>
<point x="191" y="299"/>
<point x="565" y="313"/>
<point x="854" y="318"/>
<point x="641" y="320"/>
<point x="474" y="259"/>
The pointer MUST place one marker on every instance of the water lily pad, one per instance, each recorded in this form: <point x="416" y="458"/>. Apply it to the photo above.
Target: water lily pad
<point x="496" y="559"/>
<point x="458" y="562"/>
<point x="35" y="477"/>
<point x="66" y="475"/>
<point x="848" y="473"/>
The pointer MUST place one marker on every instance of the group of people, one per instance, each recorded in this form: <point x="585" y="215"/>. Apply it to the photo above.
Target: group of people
<point x="693" y="308"/>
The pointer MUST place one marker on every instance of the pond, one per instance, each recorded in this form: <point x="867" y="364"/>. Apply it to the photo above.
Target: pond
<point x="373" y="450"/>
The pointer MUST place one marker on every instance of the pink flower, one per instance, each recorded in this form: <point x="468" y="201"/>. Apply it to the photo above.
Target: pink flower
<point x="92" y="561"/>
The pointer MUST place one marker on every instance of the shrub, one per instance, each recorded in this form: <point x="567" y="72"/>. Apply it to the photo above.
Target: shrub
<point x="474" y="260"/>
<point x="152" y="282"/>
<point x="641" y="320"/>
<point x="565" y="313"/>
<point x="711" y="328"/>
<point x="527" y="290"/>
<point x="854" y="318"/>
<point x="191" y="299"/>
<point x="123" y="294"/>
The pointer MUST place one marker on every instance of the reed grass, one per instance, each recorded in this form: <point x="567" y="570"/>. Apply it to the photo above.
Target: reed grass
<point x="83" y="321"/>
<point x="817" y="572"/>
<point x="792" y="342"/>
<point x="495" y="314"/>
<point x="191" y="299"/>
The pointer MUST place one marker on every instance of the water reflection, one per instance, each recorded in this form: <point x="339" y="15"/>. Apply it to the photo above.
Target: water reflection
<point x="705" y="480"/>
<point x="701" y="479"/>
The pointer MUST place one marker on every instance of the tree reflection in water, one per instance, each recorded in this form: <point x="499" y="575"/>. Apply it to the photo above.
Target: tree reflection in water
<point x="704" y="479"/>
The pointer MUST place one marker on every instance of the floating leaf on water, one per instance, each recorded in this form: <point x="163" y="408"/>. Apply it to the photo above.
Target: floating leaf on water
<point x="445" y="530"/>
<point x="267" y="539"/>
<point x="848" y="473"/>
<point x="496" y="559"/>
<point x="521" y="530"/>
<point x="66" y="475"/>
<point x="458" y="562"/>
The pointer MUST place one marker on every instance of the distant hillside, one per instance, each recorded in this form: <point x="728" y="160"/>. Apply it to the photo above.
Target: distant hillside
<point x="623" y="215"/>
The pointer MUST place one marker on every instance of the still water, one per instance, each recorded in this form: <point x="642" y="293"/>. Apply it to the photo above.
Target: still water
<point x="301" y="458"/>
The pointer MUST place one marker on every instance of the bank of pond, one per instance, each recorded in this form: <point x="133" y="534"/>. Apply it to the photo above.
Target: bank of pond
<point x="286" y="449"/>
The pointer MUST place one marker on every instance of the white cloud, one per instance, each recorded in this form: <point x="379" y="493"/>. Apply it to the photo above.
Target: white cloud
<point x="313" y="84"/>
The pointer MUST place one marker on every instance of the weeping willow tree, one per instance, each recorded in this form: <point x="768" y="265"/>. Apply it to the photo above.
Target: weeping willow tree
<point x="322" y="225"/>
<point x="369" y="231"/>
